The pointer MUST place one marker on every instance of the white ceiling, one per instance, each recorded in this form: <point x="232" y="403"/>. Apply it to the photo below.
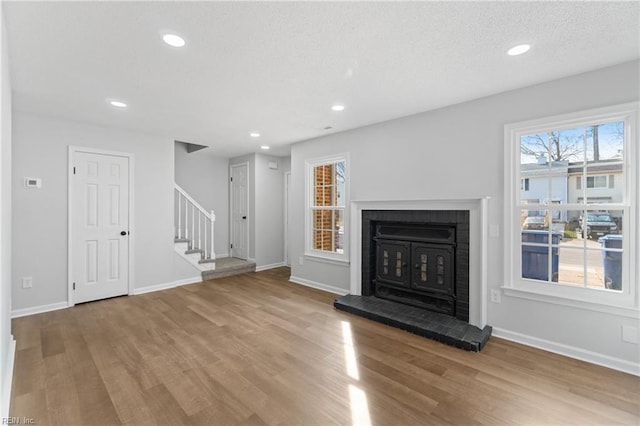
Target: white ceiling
<point x="276" y="68"/>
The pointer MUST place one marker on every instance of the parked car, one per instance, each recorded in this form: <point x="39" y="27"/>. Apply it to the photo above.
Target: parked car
<point x="534" y="222"/>
<point x="598" y="224"/>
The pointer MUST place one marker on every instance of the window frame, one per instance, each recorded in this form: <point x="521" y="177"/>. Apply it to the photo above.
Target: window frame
<point x="309" y="250"/>
<point x="625" y="301"/>
<point x="593" y="180"/>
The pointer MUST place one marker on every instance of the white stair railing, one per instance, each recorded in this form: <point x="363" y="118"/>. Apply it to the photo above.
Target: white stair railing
<point x="194" y="223"/>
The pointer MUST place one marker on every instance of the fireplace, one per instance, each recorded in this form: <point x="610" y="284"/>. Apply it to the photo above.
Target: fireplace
<point x="418" y="258"/>
<point x="420" y="265"/>
<point x="415" y="265"/>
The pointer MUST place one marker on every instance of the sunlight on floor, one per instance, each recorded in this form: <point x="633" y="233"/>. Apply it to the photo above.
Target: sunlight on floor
<point x="349" y="352"/>
<point x="359" y="407"/>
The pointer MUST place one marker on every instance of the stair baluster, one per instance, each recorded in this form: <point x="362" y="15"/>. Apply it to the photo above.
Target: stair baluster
<point x="200" y="236"/>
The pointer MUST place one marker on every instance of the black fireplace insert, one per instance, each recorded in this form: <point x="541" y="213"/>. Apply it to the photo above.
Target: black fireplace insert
<point x="418" y="258"/>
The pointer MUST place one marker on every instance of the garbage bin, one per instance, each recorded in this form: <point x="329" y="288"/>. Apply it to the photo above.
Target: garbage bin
<point x="535" y="260"/>
<point x="612" y="261"/>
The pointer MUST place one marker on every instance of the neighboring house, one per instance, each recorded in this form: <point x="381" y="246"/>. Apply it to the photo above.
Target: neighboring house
<point x="603" y="181"/>
<point x="534" y="186"/>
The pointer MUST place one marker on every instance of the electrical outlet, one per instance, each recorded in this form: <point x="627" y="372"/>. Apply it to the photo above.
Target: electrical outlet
<point x="27" y="282"/>
<point x="495" y="296"/>
<point x="300" y="260"/>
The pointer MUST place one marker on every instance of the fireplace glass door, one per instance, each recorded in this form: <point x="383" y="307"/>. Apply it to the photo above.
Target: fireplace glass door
<point x="416" y="266"/>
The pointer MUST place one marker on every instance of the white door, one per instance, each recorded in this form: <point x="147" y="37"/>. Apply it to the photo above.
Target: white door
<point x="239" y="210"/>
<point x="99" y="226"/>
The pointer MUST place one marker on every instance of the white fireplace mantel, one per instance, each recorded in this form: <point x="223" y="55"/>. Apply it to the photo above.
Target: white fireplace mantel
<point x="478" y="226"/>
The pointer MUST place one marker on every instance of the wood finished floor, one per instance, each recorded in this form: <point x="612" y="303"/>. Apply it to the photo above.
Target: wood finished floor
<point x="256" y="349"/>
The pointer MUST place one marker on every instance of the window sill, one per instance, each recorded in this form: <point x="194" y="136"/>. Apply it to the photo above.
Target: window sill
<point x="329" y="260"/>
<point x="548" y="297"/>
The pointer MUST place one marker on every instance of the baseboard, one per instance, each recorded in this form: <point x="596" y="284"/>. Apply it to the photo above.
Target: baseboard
<point x="16" y="313"/>
<point x="187" y="281"/>
<point x="319" y="286"/>
<point x="62" y="305"/>
<point x="271" y="266"/>
<point x="570" y="351"/>
<point x="166" y="286"/>
<point x="7" y="380"/>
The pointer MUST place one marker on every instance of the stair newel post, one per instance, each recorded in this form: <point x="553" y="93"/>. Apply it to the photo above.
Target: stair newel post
<point x="186" y="219"/>
<point x="193" y="225"/>
<point x="212" y="255"/>
<point x="199" y="229"/>
<point x="179" y="213"/>
<point x="206" y="247"/>
<point x="183" y="230"/>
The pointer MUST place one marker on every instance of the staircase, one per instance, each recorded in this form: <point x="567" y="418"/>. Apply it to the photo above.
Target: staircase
<point x="194" y="230"/>
<point x="194" y="240"/>
<point x="227" y="267"/>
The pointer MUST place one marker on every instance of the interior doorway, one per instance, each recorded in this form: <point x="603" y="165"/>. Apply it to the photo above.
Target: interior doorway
<point x="239" y="193"/>
<point x="99" y="219"/>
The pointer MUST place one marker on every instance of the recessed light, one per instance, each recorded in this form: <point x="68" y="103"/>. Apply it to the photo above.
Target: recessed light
<point x="264" y="147"/>
<point x="338" y="107"/>
<point x="518" y="50"/>
<point x="118" y="104"/>
<point x="254" y="134"/>
<point x="173" y="40"/>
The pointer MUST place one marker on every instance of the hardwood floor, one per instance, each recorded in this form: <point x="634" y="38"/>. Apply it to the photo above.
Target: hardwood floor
<point x="256" y="349"/>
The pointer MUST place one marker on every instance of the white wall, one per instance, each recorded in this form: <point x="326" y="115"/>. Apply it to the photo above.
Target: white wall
<point x="7" y="345"/>
<point x="457" y="152"/>
<point x="40" y="215"/>
<point x="206" y="178"/>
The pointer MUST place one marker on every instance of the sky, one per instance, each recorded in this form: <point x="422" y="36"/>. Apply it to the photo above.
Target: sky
<point x="573" y="144"/>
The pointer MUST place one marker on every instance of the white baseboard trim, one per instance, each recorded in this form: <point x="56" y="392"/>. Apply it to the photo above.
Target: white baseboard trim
<point x="142" y="290"/>
<point x="16" y="313"/>
<point x="570" y="351"/>
<point x="7" y="380"/>
<point x="319" y="286"/>
<point x="166" y="286"/>
<point x="187" y="281"/>
<point x="271" y="266"/>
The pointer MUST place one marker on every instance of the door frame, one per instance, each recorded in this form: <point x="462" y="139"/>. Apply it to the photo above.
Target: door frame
<point x="287" y="188"/>
<point x="130" y="240"/>
<point x="231" y="236"/>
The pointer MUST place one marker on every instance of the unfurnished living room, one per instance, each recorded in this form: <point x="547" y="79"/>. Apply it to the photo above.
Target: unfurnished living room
<point x="314" y="213"/>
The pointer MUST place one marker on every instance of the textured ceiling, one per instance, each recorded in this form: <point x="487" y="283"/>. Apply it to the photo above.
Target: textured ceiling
<point x="276" y="68"/>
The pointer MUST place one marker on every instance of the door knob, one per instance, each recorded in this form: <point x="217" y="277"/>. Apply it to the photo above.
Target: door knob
<point x="123" y="233"/>
<point x="244" y="217"/>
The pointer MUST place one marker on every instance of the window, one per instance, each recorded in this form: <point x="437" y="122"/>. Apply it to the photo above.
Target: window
<point x="597" y="182"/>
<point x="582" y="250"/>
<point x="327" y="200"/>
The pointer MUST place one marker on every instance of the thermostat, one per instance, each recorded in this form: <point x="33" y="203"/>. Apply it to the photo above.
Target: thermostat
<point x="33" y="182"/>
